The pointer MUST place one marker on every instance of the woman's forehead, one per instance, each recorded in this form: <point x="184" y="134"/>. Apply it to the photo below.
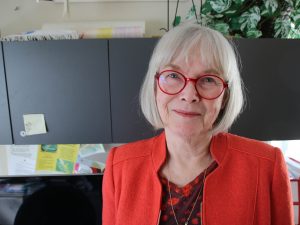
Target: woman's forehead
<point x="206" y="63"/>
<point x="201" y="69"/>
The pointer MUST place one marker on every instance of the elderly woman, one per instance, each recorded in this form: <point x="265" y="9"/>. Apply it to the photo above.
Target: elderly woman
<point x="195" y="172"/>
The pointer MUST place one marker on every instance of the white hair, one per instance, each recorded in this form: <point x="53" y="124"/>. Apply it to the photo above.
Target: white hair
<point x="215" y="51"/>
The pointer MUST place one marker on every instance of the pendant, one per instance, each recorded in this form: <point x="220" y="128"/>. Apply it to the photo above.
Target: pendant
<point x="186" y="223"/>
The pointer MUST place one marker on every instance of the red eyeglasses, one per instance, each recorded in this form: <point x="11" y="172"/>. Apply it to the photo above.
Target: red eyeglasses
<point x="208" y="86"/>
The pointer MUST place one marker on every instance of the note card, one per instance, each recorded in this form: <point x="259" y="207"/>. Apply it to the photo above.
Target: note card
<point x="34" y="124"/>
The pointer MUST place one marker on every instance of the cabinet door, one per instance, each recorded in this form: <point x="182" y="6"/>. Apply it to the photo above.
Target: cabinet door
<point x="5" y="129"/>
<point x="65" y="80"/>
<point x="129" y="60"/>
<point x="270" y="71"/>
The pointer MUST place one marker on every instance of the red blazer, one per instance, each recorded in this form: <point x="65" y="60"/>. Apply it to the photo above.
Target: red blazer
<point x="249" y="187"/>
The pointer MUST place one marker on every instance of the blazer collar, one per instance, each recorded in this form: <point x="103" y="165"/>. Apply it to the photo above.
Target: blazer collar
<point x="218" y="149"/>
<point x="159" y="151"/>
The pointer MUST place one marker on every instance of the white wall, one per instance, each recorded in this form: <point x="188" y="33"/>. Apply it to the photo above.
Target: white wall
<point x="23" y="15"/>
<point x="3" y="160"/>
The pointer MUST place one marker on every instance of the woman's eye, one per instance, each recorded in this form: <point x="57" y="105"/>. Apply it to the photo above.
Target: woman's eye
<point x="209" y="80"/>
<point x="173" y="75"/>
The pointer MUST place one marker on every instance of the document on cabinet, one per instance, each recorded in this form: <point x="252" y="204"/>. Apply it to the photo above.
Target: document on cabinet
<point x="34" y="124"/>
<point x="21" y="159"/>
<point x="57" y="158"/>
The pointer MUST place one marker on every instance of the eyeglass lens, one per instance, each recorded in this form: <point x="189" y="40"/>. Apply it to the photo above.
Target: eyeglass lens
<point x="208" y="86"/>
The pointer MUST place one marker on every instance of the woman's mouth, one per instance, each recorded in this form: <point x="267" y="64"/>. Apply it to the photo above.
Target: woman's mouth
<point x="184" y="113"/>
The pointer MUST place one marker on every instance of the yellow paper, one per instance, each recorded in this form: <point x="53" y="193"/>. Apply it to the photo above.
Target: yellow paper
<point x="34" y="124"/>
<point x="104" y="33"/>
<point x="60" y="158"/>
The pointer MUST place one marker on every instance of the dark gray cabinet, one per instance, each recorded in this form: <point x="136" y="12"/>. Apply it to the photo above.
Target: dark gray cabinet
<point x="88" y="90"/>
<point x="68" y="82"/>
<point x="5" y="128"/>
<point x="270" y="71"/>
<point x="129" y="59"/>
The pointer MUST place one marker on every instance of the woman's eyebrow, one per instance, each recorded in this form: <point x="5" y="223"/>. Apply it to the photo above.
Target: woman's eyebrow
<point x="173" y="66"/>
<point x="213" y="71"/>
<point x="208" y="71"/>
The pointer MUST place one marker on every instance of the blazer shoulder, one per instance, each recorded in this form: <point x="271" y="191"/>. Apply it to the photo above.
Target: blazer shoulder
<point x="137" y="149"/>
<point x="251" y="146"/>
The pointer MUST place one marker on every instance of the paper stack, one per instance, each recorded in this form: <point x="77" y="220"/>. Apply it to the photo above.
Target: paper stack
<point x="39" y="35"/>
<point x="104" y="29"/>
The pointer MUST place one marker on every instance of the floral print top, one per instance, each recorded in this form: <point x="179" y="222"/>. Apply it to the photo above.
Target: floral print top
<point x="183" y="200"/>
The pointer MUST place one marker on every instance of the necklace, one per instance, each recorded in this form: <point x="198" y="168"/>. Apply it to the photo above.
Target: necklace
<point x="175" y="217"/>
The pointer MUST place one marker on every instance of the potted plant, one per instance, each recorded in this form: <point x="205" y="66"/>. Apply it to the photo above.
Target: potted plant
<point x="247" y="18"/>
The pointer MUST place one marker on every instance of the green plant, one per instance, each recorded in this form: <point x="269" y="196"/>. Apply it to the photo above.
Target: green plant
<point x="249" y="19"/>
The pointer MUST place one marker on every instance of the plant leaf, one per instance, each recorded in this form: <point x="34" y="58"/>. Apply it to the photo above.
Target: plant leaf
<point x="271" y="6"/>
<point x="176" y="21"/>
<point x="206" y="7"/>
<point x="234" y="23"/>
<point x="218" y="16"/>
<point x="296" y="18"/>
<point x="230" y="12"/>
<point x="237" y="35"/>
<point x="222" y="27"/>
<point x="294" y="33"/>
<point x="253" y="33"/>
<point x="290" y="2"/>
<point x="207" y="19"/>
<point x="264" y="12"/>
<point x="238" y="2"/>
<point x="234" y="8"/>
<point x="191" y="13"/>
<point x="220" y="5"/>
<point x="282" y="27"/>
<point x="250" y="19"/>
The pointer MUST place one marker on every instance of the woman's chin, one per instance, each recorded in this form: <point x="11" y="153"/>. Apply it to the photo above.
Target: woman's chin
<point x="188" y="131"/>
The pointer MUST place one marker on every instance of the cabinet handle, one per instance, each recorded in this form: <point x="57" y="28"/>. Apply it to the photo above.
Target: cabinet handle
<point x="22" y="133"/>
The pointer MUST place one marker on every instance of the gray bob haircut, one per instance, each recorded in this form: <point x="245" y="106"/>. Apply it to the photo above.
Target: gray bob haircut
<point x="214" y="50"/>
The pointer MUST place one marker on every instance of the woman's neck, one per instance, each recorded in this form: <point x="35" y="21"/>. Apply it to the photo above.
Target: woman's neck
<point x="186" y="157"/>
<point x="186" y="147"/>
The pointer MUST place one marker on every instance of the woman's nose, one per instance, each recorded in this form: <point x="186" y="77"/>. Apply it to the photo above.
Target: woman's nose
<point x="190" y="93"/>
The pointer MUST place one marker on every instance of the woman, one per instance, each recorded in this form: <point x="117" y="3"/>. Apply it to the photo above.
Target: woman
<point x="194" y="172"/>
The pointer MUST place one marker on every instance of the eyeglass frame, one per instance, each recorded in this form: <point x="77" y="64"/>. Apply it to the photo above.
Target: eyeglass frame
<point x="194" y="80"/>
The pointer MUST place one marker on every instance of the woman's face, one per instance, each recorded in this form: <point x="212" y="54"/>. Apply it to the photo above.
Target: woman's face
<point x="186" y="113"/>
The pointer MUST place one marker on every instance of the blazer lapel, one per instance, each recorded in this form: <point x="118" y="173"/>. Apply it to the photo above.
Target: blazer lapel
<point x="230" y="190"/>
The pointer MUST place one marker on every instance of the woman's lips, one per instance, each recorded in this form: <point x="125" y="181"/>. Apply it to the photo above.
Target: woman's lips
<point x="187" y="113"/>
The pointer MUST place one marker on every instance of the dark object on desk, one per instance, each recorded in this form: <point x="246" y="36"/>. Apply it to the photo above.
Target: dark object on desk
<point x="52" y="200"/>
<point x="56" y="205"/>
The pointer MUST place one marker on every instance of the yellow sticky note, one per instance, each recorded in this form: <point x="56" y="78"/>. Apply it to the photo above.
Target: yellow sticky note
<point x="34" y="124"/>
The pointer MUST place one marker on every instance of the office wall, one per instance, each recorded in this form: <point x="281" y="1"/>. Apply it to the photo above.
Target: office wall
<point x="22" y="15"/>
<point x="3" y="160"/>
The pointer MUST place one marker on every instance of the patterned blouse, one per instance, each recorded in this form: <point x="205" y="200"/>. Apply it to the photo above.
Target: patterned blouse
<point x="183" y="200"/>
